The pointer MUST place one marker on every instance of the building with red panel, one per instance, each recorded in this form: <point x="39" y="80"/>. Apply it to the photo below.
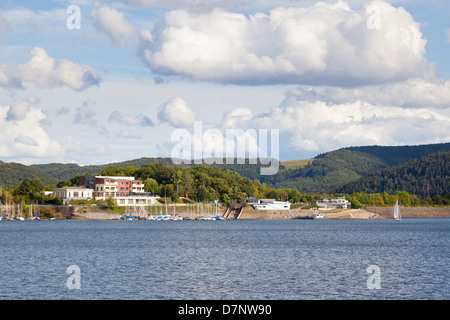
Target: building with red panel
<point x="105" y="186"/>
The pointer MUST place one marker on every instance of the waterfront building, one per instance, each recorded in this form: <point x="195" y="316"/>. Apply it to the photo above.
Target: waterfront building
<point x="106" y="186"/>
<point x="333" y="203"/>
<point x="136" y="201"/>
<point x="126" y="191"/>
<point x="73" y="193"/>
<point x="270" y="204"/>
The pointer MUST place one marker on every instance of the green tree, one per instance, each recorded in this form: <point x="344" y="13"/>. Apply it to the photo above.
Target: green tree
<point x="151" y="186"/>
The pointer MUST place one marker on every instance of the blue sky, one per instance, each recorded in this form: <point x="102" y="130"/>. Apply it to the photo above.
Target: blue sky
<point x="325" y="75"/>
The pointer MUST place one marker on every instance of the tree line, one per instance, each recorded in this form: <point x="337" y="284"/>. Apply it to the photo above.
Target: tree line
<point x="206" y="183"/>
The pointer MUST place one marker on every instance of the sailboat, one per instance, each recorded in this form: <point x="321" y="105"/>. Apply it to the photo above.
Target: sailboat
<point x="397" y="212"/>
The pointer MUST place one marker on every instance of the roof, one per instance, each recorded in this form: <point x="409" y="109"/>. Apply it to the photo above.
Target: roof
<point x="73" y="188"/>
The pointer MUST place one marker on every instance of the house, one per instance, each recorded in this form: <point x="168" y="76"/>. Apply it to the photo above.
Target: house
<point x="333" y="203"/>
<point x="73" y="193"/>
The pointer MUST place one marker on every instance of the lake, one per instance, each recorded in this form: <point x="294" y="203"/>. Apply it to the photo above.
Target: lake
<point x="228" y="260"/>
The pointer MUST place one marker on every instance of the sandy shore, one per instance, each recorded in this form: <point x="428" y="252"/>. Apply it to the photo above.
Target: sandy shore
<point x="413" y="212"/>
<point x="250" y="213"/>
<point x="95" y="215"/>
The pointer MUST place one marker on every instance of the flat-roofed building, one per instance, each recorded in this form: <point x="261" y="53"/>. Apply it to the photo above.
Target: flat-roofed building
<point x="333" y="203"/>
<point x="73" y="193"/>
<point x="132" y="201"/>
<point x="115" y="186"/>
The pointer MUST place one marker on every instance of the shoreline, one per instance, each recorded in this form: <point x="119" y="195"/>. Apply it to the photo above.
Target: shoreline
<point x="249" y="213"/>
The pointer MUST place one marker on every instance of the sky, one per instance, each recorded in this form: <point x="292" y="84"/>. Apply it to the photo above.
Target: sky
<point x="96" y="82"/>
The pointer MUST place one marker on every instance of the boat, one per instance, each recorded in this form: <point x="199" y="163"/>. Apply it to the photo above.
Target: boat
<point x="397" y="216"/>
<point x="319" y="216"/>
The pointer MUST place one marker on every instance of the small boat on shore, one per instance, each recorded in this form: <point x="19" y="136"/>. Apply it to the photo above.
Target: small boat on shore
<point x="319" y="216"/>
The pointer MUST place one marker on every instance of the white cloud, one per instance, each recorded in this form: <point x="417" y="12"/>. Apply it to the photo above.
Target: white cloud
<point x="126" y="134"/>
<point x="176" y="113"/>
<point x="447" y="33"/>
<point x="320" y="126"/>
<point x="167" y="4"/>
<point x="236" y="116"/>
<point x="19" y="109"/>
<point x="415" y="92"/>
<point x="112" y="23"/>
<point x="44" y="72"/>
<point x="86" y="115"/>
<point x="324" y="44"/>
<point x="140" y="120"/>
<point x="22" y="134"/>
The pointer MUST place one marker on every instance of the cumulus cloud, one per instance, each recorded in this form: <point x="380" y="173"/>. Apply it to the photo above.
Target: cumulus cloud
<point x="44" y="72"/>
<point x="112" y="23"/>
<point x="236" y="116"/>
<point x="87" y="116"/>
<point x="19" y="109"/>
<point x="129" y="120"/>
<point x="414" y="92"/>
<point x="323" y="44"/>
<point x="321" y="126"/>
<point x="26" y="140"/>
<point x="22" y="132"/>
<point x="176" y="113"/>
<point x="168" y="4"/>
<point x="126" y="134"/>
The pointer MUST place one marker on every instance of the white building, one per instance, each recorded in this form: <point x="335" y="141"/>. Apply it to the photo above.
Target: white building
<point x="136" y="200"/>
<point x="333" y="203"/>
<point x="270" y="204"/>
<point x="73" y="193"/>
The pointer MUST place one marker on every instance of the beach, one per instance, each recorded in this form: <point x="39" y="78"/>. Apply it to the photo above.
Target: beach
<point x="250" y="213"/>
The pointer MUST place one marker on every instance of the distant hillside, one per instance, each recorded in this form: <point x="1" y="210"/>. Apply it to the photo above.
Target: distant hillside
<point x="393" y="155"/>
<point x="65" y="171"/>
<point x="425" y="177"/>
<point x="327" y="172"/>
<point x="324" y="174"/>
<point x="333" y="169"/>
<point x="12" y="174"/>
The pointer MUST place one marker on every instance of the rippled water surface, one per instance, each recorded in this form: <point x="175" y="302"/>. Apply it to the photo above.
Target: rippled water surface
<point x="246" y="259"/>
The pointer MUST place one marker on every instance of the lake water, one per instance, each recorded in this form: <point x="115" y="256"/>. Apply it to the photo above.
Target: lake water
<point x="233" y="259"/>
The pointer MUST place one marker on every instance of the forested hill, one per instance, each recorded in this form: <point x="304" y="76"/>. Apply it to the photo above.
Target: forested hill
<point x="393" y="155"/>
<point x="425" y="177"/>
<point x="65" y="171"/>
<point x="12" y="174"/>
<point x="324" y="174"/>
<point x="329" y="171"/>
